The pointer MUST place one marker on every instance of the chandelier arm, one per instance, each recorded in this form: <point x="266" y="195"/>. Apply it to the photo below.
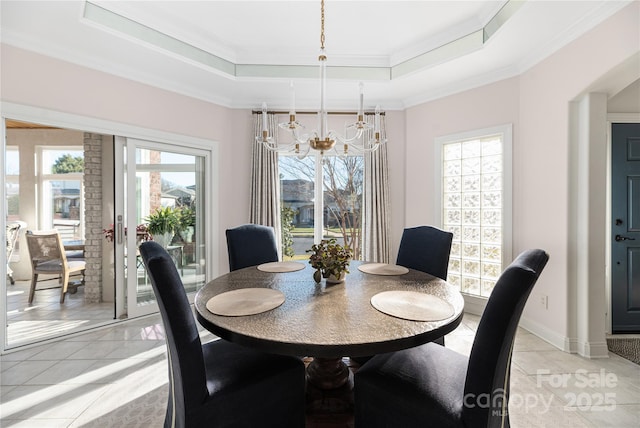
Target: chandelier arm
<point x="286" y="148"/>
<point x="345" y="139"/>
<point x="272" y="145"/>
<point x="303" y="152"/>
<point x="301" y="139"/>
<point x="361" y="149"/>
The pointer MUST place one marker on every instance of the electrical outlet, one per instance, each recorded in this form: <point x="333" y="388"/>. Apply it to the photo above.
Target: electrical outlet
<point x="544" y="301"/>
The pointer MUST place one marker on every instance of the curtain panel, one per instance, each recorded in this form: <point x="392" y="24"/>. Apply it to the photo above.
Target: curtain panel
<point x="375" y="233"/>
<point x="265" y="180"/>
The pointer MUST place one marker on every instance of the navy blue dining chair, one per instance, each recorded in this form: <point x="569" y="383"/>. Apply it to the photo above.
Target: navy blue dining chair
<point x="427" y="249"/>
<point x="431" y="385"/>
<point x="251" y="245"/>
<point x="219" y="384"/>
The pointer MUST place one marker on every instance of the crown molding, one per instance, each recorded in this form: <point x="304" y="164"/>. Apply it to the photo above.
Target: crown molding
<point x="462" y="86"/>
<point x="132" y="30"/>
<point x="572" y="32"/>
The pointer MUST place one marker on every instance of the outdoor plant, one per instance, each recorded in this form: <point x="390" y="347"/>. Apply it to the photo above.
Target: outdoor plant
<point x="187" y="218"/>
<point x="329" y="258"/>
<point x="163" y="220"/>
<point x="287" y="215"/>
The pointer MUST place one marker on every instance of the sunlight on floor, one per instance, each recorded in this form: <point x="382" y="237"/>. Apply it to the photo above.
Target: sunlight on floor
<point x="46" y="317"/>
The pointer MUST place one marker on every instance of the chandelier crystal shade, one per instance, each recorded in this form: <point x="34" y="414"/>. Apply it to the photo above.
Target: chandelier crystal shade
<point x="323" y="139"/>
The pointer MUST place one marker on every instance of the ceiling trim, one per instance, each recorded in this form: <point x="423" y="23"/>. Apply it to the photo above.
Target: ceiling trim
<point x="603" y="12"/>
<point x="120" y="25"/>
<point x="133" y="30"/>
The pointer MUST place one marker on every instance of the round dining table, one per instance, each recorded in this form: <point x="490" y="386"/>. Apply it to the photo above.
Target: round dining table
<point x="328" y="321"/>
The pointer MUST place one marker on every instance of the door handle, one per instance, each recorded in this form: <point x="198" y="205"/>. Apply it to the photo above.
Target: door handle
<point x="619" y="238"/>
<point x="119" y="230"/>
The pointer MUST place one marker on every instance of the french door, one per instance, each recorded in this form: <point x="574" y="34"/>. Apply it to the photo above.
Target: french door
<point x="153" y="177"/>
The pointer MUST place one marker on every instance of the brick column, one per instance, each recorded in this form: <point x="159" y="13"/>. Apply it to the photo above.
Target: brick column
<point x="93" y="217"/>
<point x="155" y="191"/>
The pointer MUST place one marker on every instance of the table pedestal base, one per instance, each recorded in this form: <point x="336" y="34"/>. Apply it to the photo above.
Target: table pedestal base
<point x="329" y="393"/>
<point x="328" y="373"/>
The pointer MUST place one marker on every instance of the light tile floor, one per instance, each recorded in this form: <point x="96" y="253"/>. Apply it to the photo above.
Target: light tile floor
<point x="46" y="317"/>
<point x="117" y="377"/>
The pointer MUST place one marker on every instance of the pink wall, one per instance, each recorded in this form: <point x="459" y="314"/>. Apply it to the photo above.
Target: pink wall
<point x="490" y="105"/>
<point x="39" y="81"/>
<point x="537" y="103"/>
<point x="545" y="93"/>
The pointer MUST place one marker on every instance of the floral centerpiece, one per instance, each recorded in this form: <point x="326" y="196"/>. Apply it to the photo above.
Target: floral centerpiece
<point x="330" y="259"/>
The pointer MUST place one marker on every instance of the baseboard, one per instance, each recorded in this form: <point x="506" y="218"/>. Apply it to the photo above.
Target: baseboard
<point x="593" y="349"/>
<point x="547" y="335"/>
<point x="566" y="344"/>
<point x="474" y="305"/>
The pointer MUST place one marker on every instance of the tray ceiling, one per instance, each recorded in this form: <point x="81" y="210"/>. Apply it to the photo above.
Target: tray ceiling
<point x="240" y="53"/>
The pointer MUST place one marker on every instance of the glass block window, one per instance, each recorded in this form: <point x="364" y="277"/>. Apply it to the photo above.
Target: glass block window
<point x="474" y="199"/>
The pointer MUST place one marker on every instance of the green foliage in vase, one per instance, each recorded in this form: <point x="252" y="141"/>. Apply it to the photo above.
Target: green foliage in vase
<point x="329" y="258"/>
<point x="163" y="220"/>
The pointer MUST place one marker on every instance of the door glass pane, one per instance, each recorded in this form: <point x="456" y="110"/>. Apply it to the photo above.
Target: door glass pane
<point x="168" y="187"/>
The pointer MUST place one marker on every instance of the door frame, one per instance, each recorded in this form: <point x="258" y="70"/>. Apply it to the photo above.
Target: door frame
<point x="611" y="119"/>
<point x="125" y="206"/>
<point x="56" y="118"/>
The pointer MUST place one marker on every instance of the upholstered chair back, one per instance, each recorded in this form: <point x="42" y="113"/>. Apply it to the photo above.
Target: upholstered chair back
<point x="251" y="245"/>
<point x="490" y="358"/>
<point x="185" y="359"/>
<point x="427" y="249"/>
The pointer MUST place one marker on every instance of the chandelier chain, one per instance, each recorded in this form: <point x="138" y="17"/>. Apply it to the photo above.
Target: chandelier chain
<point x="322" y="25"/>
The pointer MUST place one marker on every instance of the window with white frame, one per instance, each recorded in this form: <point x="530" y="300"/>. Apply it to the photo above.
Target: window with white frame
<point x="321" y="198"/>
<point x="474" y="173"/>
<point x="62" y="193"/>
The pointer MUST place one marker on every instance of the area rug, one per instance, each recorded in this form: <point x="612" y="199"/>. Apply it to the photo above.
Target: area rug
<point x="626" y="348"/>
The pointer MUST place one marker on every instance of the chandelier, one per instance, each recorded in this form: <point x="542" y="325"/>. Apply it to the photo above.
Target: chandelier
<point x="322" y="138"/>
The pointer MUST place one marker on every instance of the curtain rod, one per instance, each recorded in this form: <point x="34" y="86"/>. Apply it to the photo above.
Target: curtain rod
<point x="344" y="113"/>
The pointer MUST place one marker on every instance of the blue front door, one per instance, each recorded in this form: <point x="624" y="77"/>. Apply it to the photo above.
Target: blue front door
<point x="625" y="229"/>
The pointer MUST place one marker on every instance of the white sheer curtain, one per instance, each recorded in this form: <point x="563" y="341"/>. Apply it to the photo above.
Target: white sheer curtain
<point x="375" y="233"/>
<point x="265" y="180"/>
